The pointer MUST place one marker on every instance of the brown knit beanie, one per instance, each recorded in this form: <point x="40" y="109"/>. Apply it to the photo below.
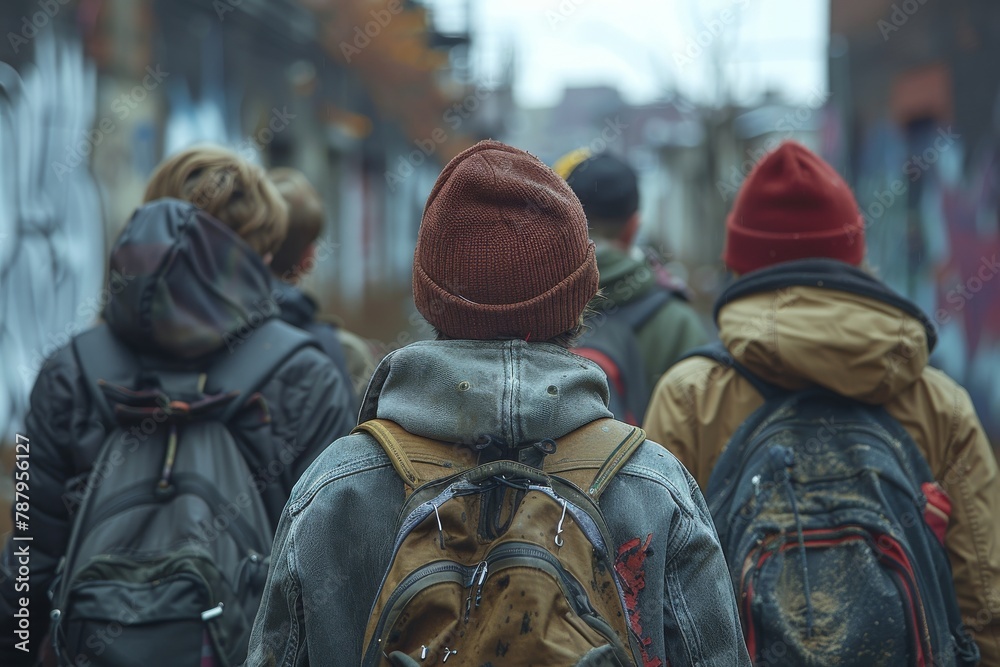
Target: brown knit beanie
<point x="503" y="250"/>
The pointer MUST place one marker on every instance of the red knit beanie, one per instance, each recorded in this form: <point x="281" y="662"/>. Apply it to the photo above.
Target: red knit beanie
<point x="793" y="205"/>
<point x="503" y="250"/>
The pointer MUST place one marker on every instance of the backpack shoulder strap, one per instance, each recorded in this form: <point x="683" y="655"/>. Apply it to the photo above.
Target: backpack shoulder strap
<point x="590" y="456"/>
<point x="329" y="342"/>
<point x="247" y="368"/>
<point x="640" y="311"/>
<point x="416" y="459"/>
<point x="718" y="353"/>
<point x="102" y="358"/>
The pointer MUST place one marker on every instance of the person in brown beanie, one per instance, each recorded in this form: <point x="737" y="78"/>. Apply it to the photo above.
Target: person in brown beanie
<point x="616" y="553"/>
<point x="803" y="315"/>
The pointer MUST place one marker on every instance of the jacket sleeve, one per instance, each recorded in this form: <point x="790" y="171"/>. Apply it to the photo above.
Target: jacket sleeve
<point x="674" y="330"/>
<point x="695" y="410"/>
<point x="279" y="635"/>
<point x="973" y="538"/>
<point x="311" y="407"/>
<point x="54" y="410"/>
<point x="702" y="627"/>
<point x="670" y="419"/>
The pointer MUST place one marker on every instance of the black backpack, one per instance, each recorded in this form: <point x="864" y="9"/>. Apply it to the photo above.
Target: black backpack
<point x="168" y="554"/>
<point x="833" y="528"/>
<point x="610" y="341"/>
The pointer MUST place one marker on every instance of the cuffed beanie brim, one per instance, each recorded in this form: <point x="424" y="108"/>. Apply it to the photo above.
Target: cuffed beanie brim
<point x="503" y="249"/>
<point x="793" y="205"/>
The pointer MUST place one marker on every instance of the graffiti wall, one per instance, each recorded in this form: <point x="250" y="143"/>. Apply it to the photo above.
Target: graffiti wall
<point x="931" y="202"/>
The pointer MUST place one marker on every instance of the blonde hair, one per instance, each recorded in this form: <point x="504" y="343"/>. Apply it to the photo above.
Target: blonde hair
<point x="231" y="189"/>
<point x="305" y="219"/>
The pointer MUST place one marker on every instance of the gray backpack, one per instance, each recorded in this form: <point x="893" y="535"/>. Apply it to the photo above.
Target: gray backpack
<point x="168" y="555"/>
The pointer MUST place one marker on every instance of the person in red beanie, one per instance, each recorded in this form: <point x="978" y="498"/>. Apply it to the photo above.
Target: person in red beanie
<point x="374" y="563"/>
<point x="803" y="315"/>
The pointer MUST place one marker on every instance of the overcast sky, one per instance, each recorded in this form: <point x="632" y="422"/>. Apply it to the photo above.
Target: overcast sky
<point x="646" y="47"/>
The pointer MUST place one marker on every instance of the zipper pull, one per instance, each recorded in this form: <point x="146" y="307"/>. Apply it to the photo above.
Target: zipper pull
<point x="475" y="586"/>
<point x="215" y="611"/>
<point x="479" y="587"/>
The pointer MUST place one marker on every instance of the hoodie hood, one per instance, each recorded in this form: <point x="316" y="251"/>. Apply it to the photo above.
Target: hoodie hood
<point x="189" y="284"/>
<point x="462" y="390"/>
<point x="297" y="307"/>
<point x="825" y="323"/>
<point x="626" y="277"/>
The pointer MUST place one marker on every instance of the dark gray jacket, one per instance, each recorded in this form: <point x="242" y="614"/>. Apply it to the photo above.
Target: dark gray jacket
<point x="190" y="287"/>
<point x="335" y="537"/>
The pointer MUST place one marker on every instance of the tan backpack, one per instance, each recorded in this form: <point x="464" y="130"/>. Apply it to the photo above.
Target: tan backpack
<point x="503" y="563"/>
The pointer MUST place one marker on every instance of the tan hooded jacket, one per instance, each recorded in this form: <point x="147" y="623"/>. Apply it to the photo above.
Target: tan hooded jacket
<point x="866" y="349"/>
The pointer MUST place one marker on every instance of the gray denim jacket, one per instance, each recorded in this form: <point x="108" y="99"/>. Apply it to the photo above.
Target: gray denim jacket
<point x="335" y="537"/>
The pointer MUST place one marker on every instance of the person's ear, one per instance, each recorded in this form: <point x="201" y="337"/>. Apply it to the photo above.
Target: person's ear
<point x="629" y="231"/>
<point x="268" y="256"/>
<point x="307" y="262"/>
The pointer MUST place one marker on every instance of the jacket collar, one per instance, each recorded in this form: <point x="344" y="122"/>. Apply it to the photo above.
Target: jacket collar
<point x="828" y="274"/>
<point x="462" y="390"/>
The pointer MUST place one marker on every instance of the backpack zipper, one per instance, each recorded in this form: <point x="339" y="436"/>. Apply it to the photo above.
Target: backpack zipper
<point x="139" y="495"/>
<point x="759" y="440"/>
<point x="437" y="572"/>
<point x="507" y="555"/>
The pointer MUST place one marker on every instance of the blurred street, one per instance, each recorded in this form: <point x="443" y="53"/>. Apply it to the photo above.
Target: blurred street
<point x="370" y="98"/>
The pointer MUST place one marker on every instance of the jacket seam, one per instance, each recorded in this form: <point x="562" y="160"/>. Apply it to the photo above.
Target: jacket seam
<point x="685" y="624"/>
<point x="358" y="466"/>
<point x="295" y="588"/>
<point x="642" y="472"/>
<point x="688" y="385"/>
<point x="974" y="525"/>
<point x="681" y="539"/>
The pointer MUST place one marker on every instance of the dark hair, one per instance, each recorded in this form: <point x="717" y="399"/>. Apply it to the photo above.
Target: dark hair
<point x="567" y="339"/>
<point x="305" y="219"/>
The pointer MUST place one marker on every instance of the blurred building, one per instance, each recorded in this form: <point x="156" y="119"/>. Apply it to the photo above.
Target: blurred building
<point x="915" y="91"/>
<point x="691" y="160"/>
<point x="369" y="99"/>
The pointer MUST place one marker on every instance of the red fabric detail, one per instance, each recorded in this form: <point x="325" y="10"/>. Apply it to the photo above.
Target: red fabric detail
<point x="609" y="367"/>
<point x="937" y="512"/>
<point x="889" y="550"/>
<point x="629" y="565"/>
<point x="892" y="551"/>
<point x="793" y="205"/>
<point x="207" y="651"/>
<point x="614" y="374"/>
